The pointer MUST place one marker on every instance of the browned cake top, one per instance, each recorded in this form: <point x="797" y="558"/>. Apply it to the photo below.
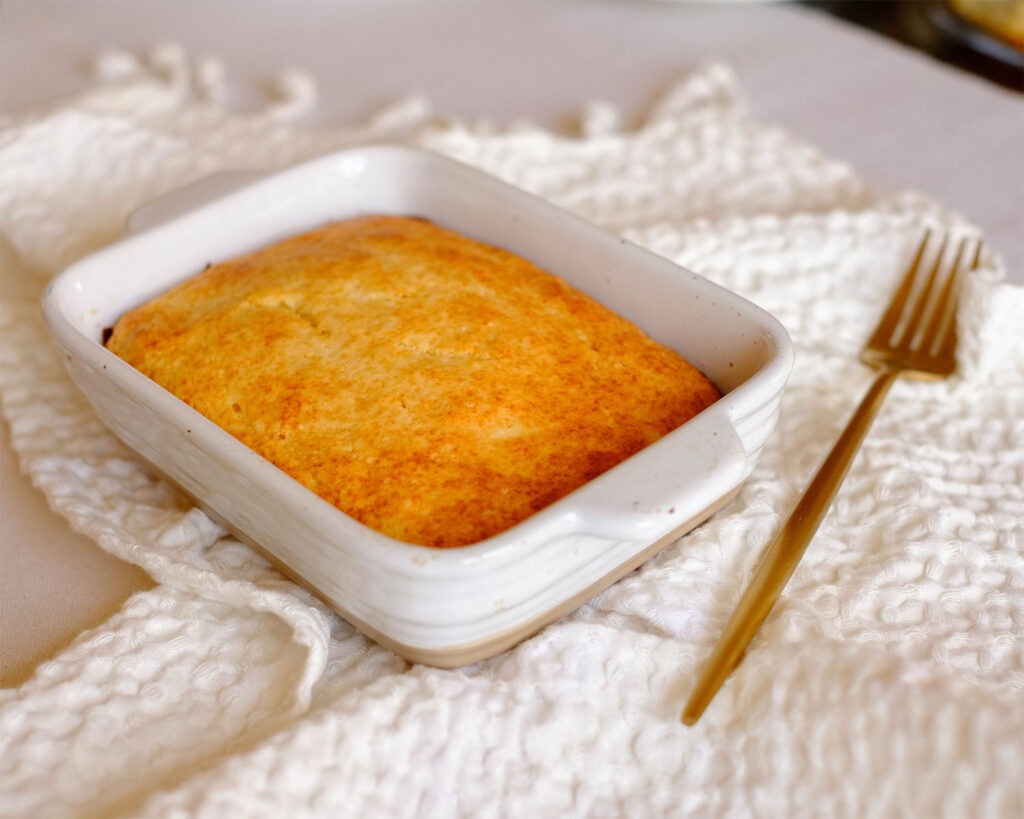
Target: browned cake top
<point x="437" y="389"/>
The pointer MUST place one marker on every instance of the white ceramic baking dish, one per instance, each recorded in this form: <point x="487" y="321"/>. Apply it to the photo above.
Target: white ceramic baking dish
<point x="453" y="606"/>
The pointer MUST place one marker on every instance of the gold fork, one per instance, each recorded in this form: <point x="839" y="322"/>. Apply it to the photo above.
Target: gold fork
<point x="916" y="337"/>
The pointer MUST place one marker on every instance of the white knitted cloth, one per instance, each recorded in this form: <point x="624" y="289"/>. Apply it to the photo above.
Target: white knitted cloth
<point x="888" y="682"/>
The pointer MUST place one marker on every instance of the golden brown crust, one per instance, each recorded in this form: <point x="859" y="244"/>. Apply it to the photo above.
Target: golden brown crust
<point x="437" y="389"/>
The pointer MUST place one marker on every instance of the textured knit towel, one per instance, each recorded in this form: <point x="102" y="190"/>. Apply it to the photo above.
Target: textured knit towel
<point x="888" y="682"/>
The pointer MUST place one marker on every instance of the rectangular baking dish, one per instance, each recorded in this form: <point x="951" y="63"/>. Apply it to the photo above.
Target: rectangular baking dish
<point x="445" y="607"/>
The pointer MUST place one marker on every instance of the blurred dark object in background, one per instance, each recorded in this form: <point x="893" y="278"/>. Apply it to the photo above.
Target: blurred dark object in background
<point x="935" y="28"/>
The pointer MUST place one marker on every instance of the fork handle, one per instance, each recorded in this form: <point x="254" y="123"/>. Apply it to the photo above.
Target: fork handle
<point x="783" y="554"/>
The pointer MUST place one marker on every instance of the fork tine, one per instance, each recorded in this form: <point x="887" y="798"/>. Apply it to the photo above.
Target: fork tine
<point x="890" y="321"/>
<point x="909" y="334"/>
<point x="945" y="338"/>
<point x="941" y="321"/>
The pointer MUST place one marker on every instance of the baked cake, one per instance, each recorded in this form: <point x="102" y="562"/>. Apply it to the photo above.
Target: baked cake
<point x="436" y="389"/>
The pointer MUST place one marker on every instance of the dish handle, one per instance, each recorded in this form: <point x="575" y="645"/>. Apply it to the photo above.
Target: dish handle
<point x="661" y="488"/>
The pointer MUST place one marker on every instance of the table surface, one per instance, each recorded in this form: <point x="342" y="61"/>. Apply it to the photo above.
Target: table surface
<point x="902" y="119"/>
